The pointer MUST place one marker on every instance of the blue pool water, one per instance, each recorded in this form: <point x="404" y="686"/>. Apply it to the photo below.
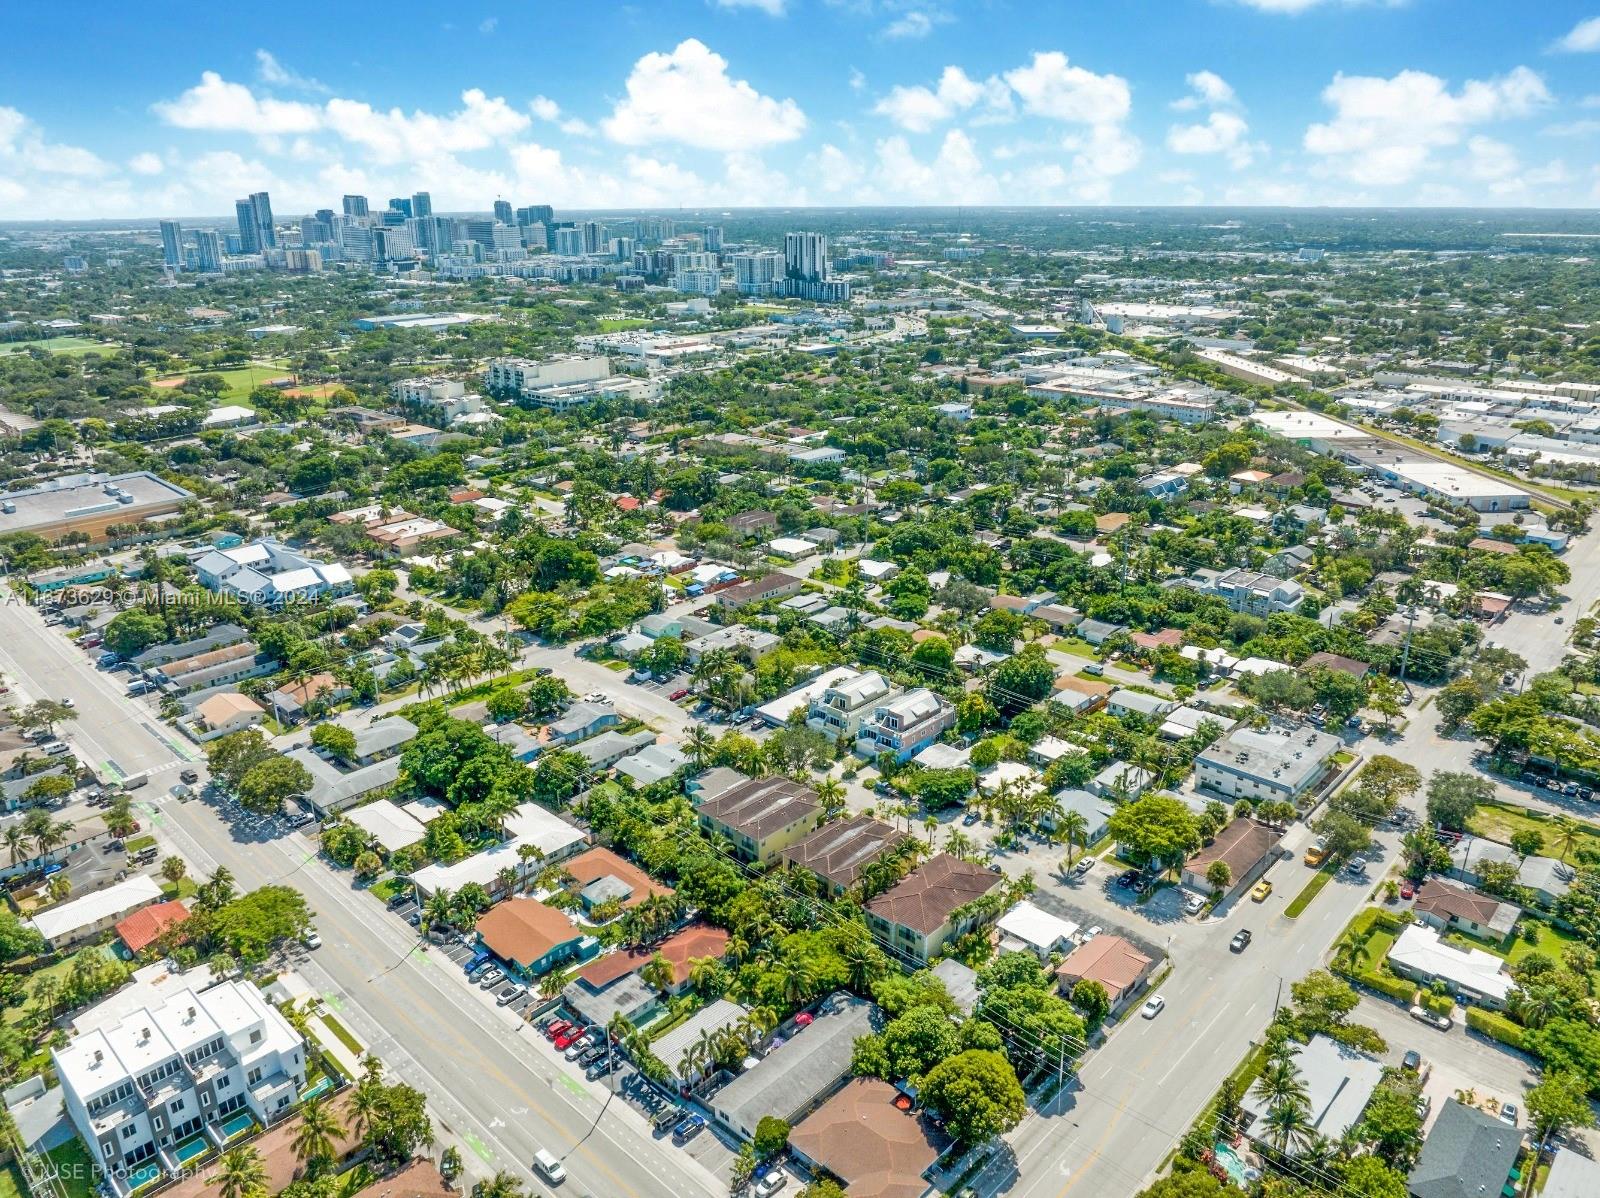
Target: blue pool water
<point x="1241" y="1173"/>
<point x="189" y="1149"/>
<point x="240" y="1122"/>
<point x="144" y="1175"/>
<point x="323" y="1085"/>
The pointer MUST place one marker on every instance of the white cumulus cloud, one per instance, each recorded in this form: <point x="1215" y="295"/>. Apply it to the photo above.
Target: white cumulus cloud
<point x="1384" y="131"/>
<point x="396" y="136"/>
<point x="218" y="105"/>
<point x="1207" y="89"/>
<point x="687" y="96"/>
<point x="547" y="109"/>
<point x="918" y="109"/>
<point x="1582" y="38"/>
<point x="1052" y="87"/>
<point x="145" y="164"/>
<point x="270" y="70"/>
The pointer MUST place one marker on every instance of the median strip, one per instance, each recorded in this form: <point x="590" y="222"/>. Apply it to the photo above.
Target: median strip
<point x="1303" y="899"/>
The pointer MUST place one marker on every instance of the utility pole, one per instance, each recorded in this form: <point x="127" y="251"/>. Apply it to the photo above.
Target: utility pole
<point x="1405" y="654"/>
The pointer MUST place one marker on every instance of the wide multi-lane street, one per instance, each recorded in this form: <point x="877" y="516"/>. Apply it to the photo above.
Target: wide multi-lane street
<point x="491" y="1081"/>
<point x="1111" y="1132"/>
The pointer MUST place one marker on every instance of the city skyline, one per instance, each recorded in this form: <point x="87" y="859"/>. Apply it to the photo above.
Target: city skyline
<point x="793" y="103"/>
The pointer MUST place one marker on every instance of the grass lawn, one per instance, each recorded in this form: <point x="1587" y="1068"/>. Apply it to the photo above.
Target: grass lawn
<point x="11" y="1184"/>
<point x="1550" y="941"/>
<point x="58" y="345"/>
<point x="1076" y="647"/>
<point x="621" y="324"/>
<point x="241" y="380"/>
<point x="140" y="842"/>
<point x="77" y="1171"/>
<point x="59" y="971"/>
<point x="1498" y="821"/>
<point x="1312" y="888"/>
<point x="185" y="888"/>
<point x="339" y="1029"/>
<point x="387" y="888"/>
<point x="620" y="667"/>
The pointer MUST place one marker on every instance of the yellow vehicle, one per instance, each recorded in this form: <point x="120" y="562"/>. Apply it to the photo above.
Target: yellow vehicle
<point x="1316" y="855"/>
<point x="1263" y="888"/>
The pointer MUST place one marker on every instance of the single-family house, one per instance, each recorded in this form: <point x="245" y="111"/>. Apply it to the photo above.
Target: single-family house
<point x="1118" y="964"/>
<point x="1421" y="954"/>
<point x="531" y="937"/>
<point x="582" y="720"/>
<point x="1246" y="846"/>
<point x="1445" y="906"/>
<point x="224" y="714"/>
<point x="862" y="1136"/>
<point x="1468" y="1154"/>
<point x="1032" y="929"/>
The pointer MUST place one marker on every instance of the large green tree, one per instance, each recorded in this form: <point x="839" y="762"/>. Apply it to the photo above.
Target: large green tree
<point x="978" y="1094"/>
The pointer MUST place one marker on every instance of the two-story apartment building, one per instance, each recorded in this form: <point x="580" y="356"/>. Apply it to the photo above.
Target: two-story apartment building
<point x="921" y="914"/>
<point x="905" y="725"/>
<point x="761" y="817"/>
<point x="840" y="711"/>
<point x="1269" y="764"/>
<point x="138" y="1089"/>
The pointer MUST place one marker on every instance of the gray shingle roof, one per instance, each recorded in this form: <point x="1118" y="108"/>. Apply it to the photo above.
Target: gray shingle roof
<point x="1468" y="1154"/>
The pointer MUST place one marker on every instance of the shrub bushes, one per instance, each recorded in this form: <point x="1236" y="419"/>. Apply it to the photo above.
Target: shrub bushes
<point x="1496" y="1026"/>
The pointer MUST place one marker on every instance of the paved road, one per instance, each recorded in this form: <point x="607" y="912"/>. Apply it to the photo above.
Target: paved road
<point x="496" y="1087"/>
<point x="1139" y="1094"/>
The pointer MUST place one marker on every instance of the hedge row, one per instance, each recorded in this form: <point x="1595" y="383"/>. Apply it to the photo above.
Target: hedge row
<point x="1396" y="988"/>
<point x="1496" y="1026"/>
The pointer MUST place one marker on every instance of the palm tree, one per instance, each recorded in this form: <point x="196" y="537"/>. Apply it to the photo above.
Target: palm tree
<point x="1280" y="1082"/>
<point x="830" y="793"/>
<point x="799" y="983"/>
<point x="699" y="741"/>
<point x="16" y="840"/>
<point x="1351" y="954"/>
<point x="501" y="1185"/>
<point x="437" y="910"/>
<point x="1073" y="827"/>
<point x="530" y="856"/>
<point x="47" y="993"/>
<point x="366" y="1101"/>
<point x="658" y="973"/>
<point x="314" y="1138"/>
<point x="1287" y="1127"/>
<point x="1567" y="833"/>
<point x="240" y="1174"/>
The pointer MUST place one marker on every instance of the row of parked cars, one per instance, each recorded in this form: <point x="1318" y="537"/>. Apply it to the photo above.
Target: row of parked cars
<point x="486" y="975"/>
<point x="586" y="1046"/>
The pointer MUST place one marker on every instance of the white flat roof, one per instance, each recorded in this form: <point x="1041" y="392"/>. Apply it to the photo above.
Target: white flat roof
<point x="1036" y="926"/>
<point x="393" y="827"/>
<point x="78" y="913"/>
<point x="1423" y="950"/>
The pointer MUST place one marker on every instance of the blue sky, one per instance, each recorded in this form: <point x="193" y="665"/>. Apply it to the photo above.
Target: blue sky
<point x="139" y="109"/>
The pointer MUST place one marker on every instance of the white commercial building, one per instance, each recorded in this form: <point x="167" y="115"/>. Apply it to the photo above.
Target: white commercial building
<point x="1270" y="764"/>
<point x="162" y="1076"/>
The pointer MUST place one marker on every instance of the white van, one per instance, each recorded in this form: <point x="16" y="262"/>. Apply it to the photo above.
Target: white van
<point x="549" y="1167"/>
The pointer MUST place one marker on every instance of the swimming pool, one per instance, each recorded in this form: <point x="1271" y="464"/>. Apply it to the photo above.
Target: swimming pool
<point x="144" y="1175"/>
<point x="189" y="1149"/>
<point x="323" y="1085"/>
<point x="1233" y="1164"/>
<point x="243" y="1121"/>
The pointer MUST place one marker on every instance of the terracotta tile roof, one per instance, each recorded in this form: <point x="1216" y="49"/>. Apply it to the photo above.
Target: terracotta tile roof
<point x="141" y="929"/>
<point x="598" y="863"/>
<point x="1113" y="961"/>
<point x="696" y="940"/>
<point x="523" y="930"/>
<point x="420" y="1179"/>
<point x="860" y="1136"/>
<point x="924" y="898"/>
<point x="1172" y="637"/>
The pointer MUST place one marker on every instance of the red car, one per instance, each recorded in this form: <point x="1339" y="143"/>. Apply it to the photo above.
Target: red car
<point x="678" y="694"/>
<point x="556" y="1029"/>
<point x="1408" y="889"/>
<point x="564" y="1040"/>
